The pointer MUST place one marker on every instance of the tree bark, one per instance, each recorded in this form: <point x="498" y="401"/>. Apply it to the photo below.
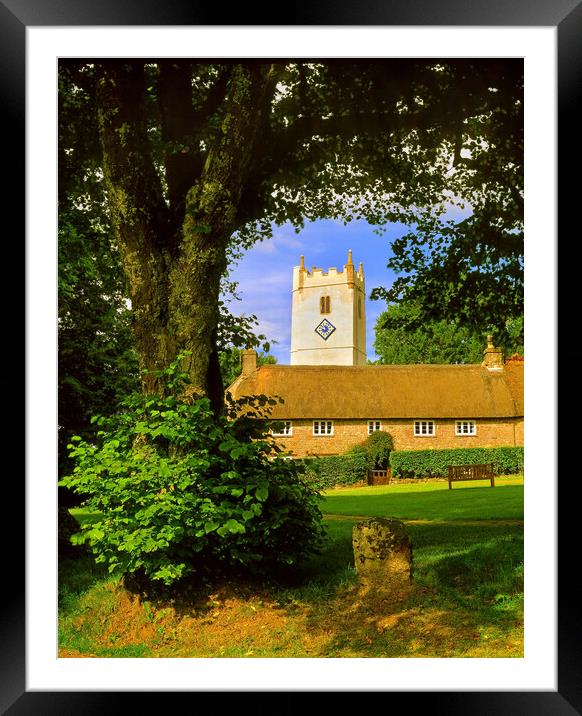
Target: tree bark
<point x="210" y="218"/>
<point x="173" y="270"/>
<point x="139" y="214"/>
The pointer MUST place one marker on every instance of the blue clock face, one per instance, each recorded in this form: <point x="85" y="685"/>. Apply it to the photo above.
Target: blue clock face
<point x="325" y="329"/>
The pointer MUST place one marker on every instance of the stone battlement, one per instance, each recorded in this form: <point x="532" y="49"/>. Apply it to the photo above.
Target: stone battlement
<point x="303" y="277"/>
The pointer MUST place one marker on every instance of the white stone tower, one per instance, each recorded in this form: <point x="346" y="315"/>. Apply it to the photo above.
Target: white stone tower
<point x="328" y="316"/>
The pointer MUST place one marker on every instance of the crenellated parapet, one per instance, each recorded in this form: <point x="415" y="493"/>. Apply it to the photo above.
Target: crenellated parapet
<point x="303" y="277"/>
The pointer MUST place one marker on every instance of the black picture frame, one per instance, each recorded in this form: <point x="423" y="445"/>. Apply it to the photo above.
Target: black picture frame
<point x="15" y="16"/>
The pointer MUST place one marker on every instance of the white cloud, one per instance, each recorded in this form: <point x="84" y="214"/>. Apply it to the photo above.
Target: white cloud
<point x="265" y="247"/>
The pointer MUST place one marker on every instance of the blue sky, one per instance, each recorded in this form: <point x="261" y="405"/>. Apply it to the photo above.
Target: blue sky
<point x="265" y="273"/>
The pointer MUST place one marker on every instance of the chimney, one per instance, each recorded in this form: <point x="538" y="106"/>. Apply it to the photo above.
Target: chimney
<point x="249" y="360"/>
<point x="492" y="356"/>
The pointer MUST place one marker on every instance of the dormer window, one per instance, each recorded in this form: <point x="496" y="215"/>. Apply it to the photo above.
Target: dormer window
<point x="325" y="304"/>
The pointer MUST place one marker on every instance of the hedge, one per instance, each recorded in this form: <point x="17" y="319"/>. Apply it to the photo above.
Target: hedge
<point x="325" y="472"/>
<point x="435" y="463"/>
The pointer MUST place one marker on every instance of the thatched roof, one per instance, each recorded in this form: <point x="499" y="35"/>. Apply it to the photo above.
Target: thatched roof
<point x="387" y="391"/>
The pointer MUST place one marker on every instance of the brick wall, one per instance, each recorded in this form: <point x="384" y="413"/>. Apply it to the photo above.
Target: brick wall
<point x="347" y="433"/>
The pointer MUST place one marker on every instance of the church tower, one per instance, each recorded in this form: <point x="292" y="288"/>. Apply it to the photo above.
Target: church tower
<point x="328" y="316"/>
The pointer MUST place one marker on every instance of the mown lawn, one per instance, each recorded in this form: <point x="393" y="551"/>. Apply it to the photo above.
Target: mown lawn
<point x="432" y="500"/>
<point x="466" y="599"/>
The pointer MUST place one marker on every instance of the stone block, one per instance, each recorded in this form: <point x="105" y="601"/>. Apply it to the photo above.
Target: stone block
<point x="382" y="553"/>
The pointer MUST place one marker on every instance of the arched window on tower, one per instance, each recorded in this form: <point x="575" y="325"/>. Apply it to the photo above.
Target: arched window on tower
<point x="325" y="304"/>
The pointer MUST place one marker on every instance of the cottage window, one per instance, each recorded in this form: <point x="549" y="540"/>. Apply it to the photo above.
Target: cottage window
<point x="424" y="428"/>
<point x="465" y="427"/>
<point x="323" y="427"/>
<point x="325" y="304"/>
<point x="374" y="425"/>
<point x="282" y="428"/>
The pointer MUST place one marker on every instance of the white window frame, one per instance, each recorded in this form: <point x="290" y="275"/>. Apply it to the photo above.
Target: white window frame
<point x="287" y="429"/>
<point x="374" y="426"/>
<point x="327" y="428"/>
<point x="417" y="428"/>
<point x="471" y="425"/>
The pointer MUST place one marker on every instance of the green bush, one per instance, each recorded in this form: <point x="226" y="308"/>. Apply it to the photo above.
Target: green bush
<point x="183" y="493"/>
<point x="325" y="472"/>
<point x="377" y="448"/>
<point x="435" y="463"/>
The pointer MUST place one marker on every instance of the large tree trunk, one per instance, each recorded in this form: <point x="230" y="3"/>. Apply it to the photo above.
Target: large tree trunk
<point x="209" y="220"/>
<point x="139" y="215"/>
<point x="174" y="267"/>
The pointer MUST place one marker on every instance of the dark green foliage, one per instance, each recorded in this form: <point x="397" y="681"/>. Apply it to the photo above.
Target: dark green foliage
<point x="435" y="463"/>
<point x="98" y="363"/>
<point x="183" y="493"/>
<point x="377" y="448"/>
<point x="348" y="469"/>
<point x="471" y="271"/>
<point x="67" y="527"/>
<point x="404" y="336"/>
<point x="399" y="340"/>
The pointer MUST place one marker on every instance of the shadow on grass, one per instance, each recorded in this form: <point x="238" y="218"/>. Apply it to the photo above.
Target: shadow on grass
<point x="78" y="575"/>
<point x="419" y="623"/>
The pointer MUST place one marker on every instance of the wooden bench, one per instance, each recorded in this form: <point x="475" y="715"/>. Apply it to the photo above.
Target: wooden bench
<point x="463" y="473"/>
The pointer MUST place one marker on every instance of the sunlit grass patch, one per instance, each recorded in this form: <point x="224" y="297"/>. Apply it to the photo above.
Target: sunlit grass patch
<point x="431" y="501"/>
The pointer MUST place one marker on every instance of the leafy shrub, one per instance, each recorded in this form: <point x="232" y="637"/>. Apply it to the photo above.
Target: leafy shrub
<point x="183" y="492"/>
<point x="347" y="469"/>
<point x="435" y="463"/>
<point x="377" y="448"/>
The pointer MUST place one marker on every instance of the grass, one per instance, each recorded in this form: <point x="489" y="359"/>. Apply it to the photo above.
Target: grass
<point x="425" y="500"/>
<point x="466" y="598"/>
